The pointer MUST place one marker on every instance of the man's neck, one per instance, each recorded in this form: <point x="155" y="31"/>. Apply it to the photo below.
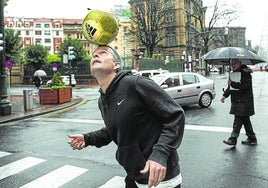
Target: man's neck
<point x="105" y="80"/>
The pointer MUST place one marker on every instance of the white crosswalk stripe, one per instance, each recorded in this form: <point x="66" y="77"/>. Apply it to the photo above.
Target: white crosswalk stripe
<point x="57" y="177"/>
<point x="3" y="154"/>
<point x="53" y="179"/>
<point x="117" y="181"/>
<point x="18" y="166"/>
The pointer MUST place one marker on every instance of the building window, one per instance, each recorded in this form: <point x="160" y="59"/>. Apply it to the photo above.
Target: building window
<point x="27" y="25"/>
<point x="47" y="25"/>
<point x="38" y="32"/>
<point x="38" y="25"/>
<point x="27" y="41"/>
<point x="57" y="33"/>
<point x="19" y="33"/>
<point x="48" y="48"/>
<point x="27" y="33"/>
<point x="170" y="3"/>
<point x="10" y="24"/>
<point x="38" y="41"/>
<point x="47" y="40"/>
<point x="47" y="32"/>
<point x="171" y="39"/>
<point x="169" y="17"/>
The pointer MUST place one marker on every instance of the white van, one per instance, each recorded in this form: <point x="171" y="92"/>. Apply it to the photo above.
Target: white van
<point x="150" y="73"/>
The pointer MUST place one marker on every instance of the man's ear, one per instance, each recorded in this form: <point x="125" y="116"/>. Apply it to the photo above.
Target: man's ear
<point x="117" y="65"/>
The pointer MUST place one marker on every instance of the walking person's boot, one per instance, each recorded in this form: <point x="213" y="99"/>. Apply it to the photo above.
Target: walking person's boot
<point x="230" y="141"/>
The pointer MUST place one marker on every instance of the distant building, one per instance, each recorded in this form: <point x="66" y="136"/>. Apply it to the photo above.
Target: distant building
<point x="231" y="36"/>
<point x="182" y="30"/>
<point x="44" y="31"/>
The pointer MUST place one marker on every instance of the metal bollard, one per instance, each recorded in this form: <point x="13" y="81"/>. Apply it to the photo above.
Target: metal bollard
<point x="28" y="99"/>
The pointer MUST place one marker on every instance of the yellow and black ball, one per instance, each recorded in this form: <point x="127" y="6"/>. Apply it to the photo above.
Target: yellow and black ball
<point x="100" y="27"/>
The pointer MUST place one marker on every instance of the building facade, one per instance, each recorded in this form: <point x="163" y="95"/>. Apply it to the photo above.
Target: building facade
<point x="183" y="24"/>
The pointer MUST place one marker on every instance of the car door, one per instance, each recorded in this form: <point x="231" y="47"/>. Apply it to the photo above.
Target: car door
<point x="173" y="86"/>
<point x="190" y="89"/>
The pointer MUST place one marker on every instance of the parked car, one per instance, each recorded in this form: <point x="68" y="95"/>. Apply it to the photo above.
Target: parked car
<point x="214" y="69"/>
<point x="66" y="81"/>
<point x="187" y="88"/>
<point x="150" y="73"/>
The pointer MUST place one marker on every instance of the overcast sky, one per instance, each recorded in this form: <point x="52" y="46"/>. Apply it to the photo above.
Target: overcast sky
<point x="252" y="12"/>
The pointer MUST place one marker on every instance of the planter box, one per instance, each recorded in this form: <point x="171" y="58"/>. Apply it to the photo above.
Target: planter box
<point x="55" y="96"/>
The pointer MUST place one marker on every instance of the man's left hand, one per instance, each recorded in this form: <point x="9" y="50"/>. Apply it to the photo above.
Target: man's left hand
<point x="157" y="172"/>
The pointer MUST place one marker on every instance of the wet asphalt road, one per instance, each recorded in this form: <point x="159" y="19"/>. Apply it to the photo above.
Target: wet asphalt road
<point x="205" y="160"/>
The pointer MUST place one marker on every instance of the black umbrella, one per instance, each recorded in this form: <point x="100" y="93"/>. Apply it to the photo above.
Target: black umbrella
<point x="222" y="56"/>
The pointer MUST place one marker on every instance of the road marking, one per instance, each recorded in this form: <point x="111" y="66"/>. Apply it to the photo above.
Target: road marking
<point x="18" y="166"/>
<point x="210" y="128"/>
<point x="71" y="120"/>
<point x="187" y="127"/>
<point x="57" y="177"/>
<point x="116" y="181"/>
<point x="3" y="154"/>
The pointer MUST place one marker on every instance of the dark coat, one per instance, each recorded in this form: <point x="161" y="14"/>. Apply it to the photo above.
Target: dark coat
<point x="242" y="102"/>
<point x="37" y="81"/>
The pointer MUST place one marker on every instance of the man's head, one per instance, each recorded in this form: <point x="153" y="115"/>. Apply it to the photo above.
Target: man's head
<point x="236" y="63"/>
<point x="105" y="60"/>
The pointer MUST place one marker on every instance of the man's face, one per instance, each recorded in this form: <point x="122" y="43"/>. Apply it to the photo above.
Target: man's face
<point x="235" y="64"/>
<point x="103" y="61"/>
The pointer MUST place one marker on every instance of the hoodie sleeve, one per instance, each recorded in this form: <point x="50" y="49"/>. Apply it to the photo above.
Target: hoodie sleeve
<point x="169" y="113"/>
<point x="97" y="138"/>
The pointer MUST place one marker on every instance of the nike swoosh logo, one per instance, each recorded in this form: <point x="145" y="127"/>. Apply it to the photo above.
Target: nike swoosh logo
<point x="120" y="102"/>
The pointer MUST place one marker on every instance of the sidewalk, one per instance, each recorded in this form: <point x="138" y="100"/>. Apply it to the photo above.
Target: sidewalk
<point x="18" y="112"/>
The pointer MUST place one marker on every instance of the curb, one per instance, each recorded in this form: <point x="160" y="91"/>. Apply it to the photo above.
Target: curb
<point x="66" y="106"/>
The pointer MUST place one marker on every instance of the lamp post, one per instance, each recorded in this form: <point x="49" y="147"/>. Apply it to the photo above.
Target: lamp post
<point x="136" y="55"/>
<point x="5" y="106"/>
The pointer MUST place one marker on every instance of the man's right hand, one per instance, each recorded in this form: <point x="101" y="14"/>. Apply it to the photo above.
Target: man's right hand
<point x="222" y="99"/>
<point x="77" y="141"/>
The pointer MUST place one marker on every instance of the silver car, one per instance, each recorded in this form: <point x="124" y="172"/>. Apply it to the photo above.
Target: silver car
<point x="187" y="88"/>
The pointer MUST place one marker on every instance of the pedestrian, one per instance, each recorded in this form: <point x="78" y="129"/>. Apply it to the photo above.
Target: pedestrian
<point x="145" y="123"/>
<point x="242" y="103"/>
<point x="37" y="81"/>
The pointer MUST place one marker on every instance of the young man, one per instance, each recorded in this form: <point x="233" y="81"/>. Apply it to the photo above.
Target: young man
<point x="242" y="103"/>
<point x="142" y="119"/>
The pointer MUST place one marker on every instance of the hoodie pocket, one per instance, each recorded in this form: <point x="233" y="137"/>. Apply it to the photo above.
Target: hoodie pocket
<point x="131" y="158"/>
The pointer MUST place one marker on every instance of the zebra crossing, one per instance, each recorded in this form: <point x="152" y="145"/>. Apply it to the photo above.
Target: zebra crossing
<point x="53" y="179"/>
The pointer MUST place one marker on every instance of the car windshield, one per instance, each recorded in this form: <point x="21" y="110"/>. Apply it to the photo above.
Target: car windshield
<point x="158" y="78"/>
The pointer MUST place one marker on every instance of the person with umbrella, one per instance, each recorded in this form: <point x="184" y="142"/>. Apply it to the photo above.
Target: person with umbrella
<point x="242" y="103"/>
<point x="37" y="80"/>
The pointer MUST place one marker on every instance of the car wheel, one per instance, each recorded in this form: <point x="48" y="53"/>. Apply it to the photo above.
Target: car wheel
<point x="205" y="100"/>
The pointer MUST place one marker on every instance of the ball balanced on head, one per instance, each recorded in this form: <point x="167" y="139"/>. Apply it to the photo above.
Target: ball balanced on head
<point x="100" y="27"/>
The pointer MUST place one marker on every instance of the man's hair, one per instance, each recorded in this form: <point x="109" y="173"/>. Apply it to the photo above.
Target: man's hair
<point x="115" y="54"/>
<point x="117" y="57"/>
<point x="236" y="60"/>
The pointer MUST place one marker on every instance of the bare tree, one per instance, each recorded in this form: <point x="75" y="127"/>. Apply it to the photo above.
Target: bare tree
<point x="148" y="21"/>
<point x="221" y="15"/>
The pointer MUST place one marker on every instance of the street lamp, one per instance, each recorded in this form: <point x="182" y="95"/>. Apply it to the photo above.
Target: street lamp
<point x="136" y="55"/>
<point x="5" y="106"/>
